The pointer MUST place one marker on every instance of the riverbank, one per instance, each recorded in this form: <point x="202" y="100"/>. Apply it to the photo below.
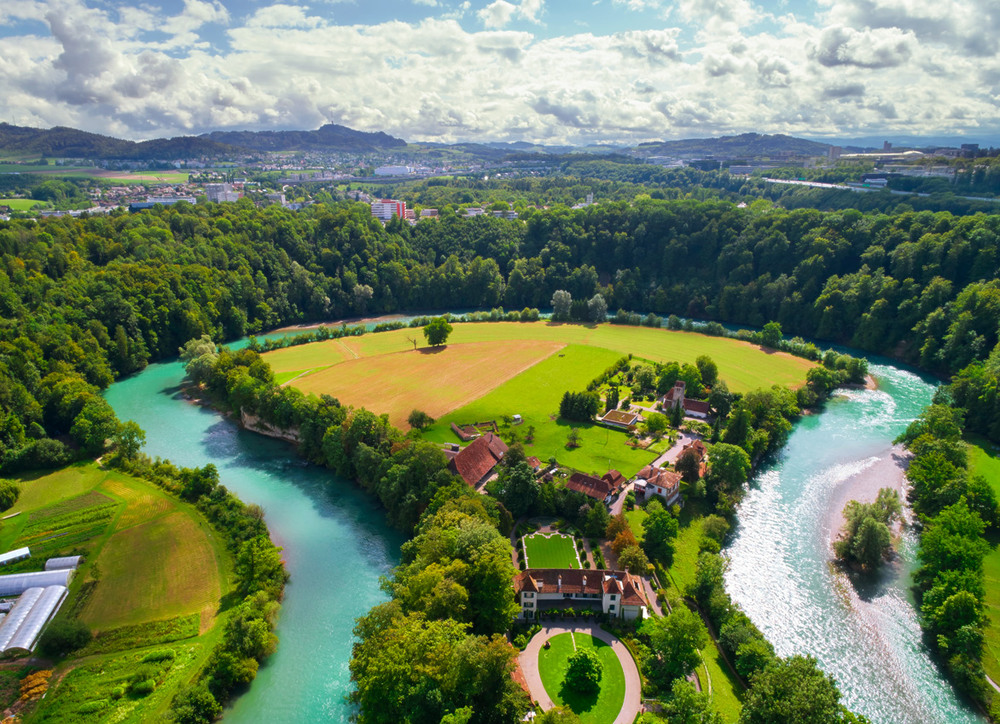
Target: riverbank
<point x="338" y="322"/>
<point x="887" y="470"/>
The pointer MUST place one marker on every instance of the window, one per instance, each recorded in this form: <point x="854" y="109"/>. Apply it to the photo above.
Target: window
<point x="529" y="595"/>
<point x="611" y="608"/>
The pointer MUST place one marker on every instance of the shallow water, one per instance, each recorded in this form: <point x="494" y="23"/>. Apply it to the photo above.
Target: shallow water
<point x="865" y="634"/>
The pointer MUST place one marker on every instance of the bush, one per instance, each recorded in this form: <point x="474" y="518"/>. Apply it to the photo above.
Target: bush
<point x="8" y="495"/>
<point x="64" y="636"/>
<point x="196" y="705"/>
<point x="142" y="688"/>
<point x="92" y="707"/>
<point x="155" y="656"/>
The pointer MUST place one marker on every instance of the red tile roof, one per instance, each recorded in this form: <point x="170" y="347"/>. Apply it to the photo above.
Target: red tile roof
<point x="596" y="488"/>
<point x="696" y="406"/>
<point x="613" y="478"/>
<point x="477" y="460"/>
<point x="698" y="447"/>
<point x="574" y="581"/>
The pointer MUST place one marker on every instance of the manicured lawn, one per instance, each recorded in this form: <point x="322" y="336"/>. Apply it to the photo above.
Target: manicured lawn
<point x="592" y="709"/>
<point x="436" y="380"/>
<point x="553" y="551"/>
<point x="985" y="460"/>
<point x="535" y="395"/>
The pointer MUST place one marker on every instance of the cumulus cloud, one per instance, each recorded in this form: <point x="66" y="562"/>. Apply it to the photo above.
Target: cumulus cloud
<point x="134" y="73"/>
<point x="871" y="48"/>
<point x="500" y="12"/>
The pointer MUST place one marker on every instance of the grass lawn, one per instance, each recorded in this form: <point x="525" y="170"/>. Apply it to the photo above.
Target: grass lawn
<point x="592" y="709"/>
<point x="984" y="459"/>
<point x="686" y="546"/>
<point x="635" y="521"/>
<point x="20" y="204"/>
<point x="553" y="551"/>
<point x="727" y="691"/>
<point x="535" y="395"/>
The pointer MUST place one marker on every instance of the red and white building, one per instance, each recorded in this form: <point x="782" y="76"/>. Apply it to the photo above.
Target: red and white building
<point x="385" y="209"/>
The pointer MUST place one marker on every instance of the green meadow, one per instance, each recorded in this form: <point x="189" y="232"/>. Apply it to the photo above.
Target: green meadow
<point x="601" y="708"/>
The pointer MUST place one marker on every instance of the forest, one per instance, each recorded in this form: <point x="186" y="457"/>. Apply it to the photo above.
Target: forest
<point x="86" y="301"/>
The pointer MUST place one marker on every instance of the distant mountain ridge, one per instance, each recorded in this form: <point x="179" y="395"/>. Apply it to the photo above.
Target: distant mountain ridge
<point x="752" y="145"/>
<point x="62" y="142"/>
<point x="331" y="137"/>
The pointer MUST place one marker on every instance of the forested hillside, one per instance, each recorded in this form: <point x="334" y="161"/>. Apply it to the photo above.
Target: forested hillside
<point x="84" y="301"/>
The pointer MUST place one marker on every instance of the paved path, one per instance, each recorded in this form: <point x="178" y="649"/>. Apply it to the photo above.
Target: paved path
<point x="633" y="686"/>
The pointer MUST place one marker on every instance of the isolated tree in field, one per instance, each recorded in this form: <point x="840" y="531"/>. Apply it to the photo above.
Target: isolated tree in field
<point x="419" y="419"/>
<point x="573" y="438"/>
<point x="771" y="336"/>
<point x="562" y="303"/>
<point x="584" y="671"/>
<point x="437" y="331"/>
<point x="598" y="308"/>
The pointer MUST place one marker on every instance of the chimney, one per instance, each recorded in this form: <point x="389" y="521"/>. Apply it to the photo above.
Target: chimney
<point x="584" y="581"/>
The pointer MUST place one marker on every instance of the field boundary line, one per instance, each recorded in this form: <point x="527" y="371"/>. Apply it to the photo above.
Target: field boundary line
<point x="340" y="343"/>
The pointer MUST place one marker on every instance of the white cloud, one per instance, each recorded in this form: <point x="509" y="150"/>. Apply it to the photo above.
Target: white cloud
<point x="435" y="80"/>
<point x="500" y="12"/>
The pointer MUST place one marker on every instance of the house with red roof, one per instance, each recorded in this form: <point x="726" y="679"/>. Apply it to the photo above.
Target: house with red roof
<point x="616" y="593"/>
<point x="675" y="398"/>
<point x="476" y="463"/>
<point x="652" y="481"/>
<point x="596" y="488"/>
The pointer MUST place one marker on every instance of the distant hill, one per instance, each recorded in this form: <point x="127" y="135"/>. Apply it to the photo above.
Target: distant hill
<point x="330" y="137"/>
<point x="61" y="142"/>
<point x="746" y="145"/>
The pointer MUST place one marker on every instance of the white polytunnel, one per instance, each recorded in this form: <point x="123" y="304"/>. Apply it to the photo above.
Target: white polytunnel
<point x="57" y="564"/>
<point x="17" y="583"/>
<point x="41" y="612"/>
<point x="12" y="622"/>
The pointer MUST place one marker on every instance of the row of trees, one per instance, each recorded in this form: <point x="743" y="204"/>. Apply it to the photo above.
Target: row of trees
<point x="954" y="510"/>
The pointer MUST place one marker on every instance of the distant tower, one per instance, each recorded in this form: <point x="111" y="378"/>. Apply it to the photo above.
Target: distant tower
<point x="590" y="199"/>
<point x="886" y="147"/>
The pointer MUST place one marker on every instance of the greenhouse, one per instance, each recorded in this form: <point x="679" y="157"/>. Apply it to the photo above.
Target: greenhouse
<point x="17" y="583"/>
<point x="40" y="613"/>
<point x="18" y="614"/>
<point x="58" y="564"/>
<point x="16" y="555"/>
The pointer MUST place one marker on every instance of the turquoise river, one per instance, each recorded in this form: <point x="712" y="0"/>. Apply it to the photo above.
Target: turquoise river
<point x="337" y="545"/>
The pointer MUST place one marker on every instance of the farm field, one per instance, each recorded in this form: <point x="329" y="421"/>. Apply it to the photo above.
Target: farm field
<point x="153" y="575"/>
<point x="435" y="380"/>
<point x="552" y="551"/>
<point x="535" y="395"/>
<point x="742" y="365"/>
<point x="599" y="709"/>
<point x="489" y="370"/>
<point x="984" y="459"/>
<point x="20" y="204"/>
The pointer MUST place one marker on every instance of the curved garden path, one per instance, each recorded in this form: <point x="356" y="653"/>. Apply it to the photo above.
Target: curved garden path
<point x="633" y="686"/>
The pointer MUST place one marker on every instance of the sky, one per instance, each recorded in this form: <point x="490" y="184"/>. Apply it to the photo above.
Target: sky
<point x="543" y="71"/>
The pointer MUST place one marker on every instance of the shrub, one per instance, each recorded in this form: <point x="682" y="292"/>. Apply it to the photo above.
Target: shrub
<point x="64" y="636"/>
<point x="162" y="655"/>
<point x="92" y="707"/>
<point x="8" y="495"/>
<point x="142" y="688"/>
